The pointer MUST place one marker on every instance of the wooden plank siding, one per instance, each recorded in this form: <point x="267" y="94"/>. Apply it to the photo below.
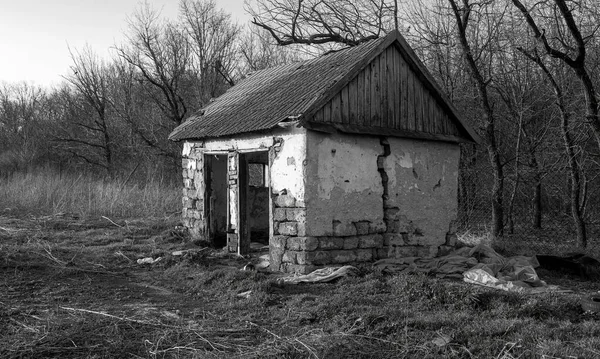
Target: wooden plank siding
<point x="387" y="94"/>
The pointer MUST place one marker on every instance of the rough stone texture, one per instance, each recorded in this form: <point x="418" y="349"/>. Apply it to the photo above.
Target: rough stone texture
<point x="362" y="227"/>
<point x="415" y="251"/>
<point x="343" y="229"/>
<point x="276" y="249"/>
<point x="391" y="213"/>
<point x="285" y="201"/>
<point x="444" y="250"/>
<point x="343" y="256"/>
<point x="288" y="228"/>
<point x="382" y="253"/>
<point x="351" y="242"/>
<point x="392" y="226"/>
<point x="289" y="257"/>
<point x="393" y="239"/>
<point x="370" y="241"/>
<point x="296" y="214"/>
<point x="377" y="227"/>
<point x="308" y="243"/>
<point x="314" y="257"/>
<point x="279" y="214"/>
<point x="451" y="239"/>
<point x="331" y="243"/>
<point x="297" y="269"/>
<point x="364" y="255"/>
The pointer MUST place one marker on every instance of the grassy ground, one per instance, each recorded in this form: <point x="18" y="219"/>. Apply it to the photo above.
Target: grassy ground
<point x="71" y="288"/>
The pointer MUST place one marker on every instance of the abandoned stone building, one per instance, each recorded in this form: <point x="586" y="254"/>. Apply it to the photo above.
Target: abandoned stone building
<point x="345" y="158"/>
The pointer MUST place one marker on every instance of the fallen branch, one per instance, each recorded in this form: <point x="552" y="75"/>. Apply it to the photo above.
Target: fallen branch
<point x="111" y="221"/>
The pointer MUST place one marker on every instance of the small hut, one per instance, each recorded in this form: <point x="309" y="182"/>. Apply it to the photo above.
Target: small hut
<point x="349" y="157"/>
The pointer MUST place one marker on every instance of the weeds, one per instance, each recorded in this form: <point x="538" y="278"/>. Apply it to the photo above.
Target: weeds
<point x="48" y="193"/>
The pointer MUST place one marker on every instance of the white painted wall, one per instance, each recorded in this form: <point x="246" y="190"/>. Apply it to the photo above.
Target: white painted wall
<point x="344" y="184"/>
<point x="287" y="172"/>
<point x="423" y="184"/>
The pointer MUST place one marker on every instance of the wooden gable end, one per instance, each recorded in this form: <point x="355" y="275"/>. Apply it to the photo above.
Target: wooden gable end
<point x="388" y="97"/>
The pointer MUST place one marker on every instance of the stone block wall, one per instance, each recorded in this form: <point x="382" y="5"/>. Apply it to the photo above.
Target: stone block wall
<point x="363" y="241"/>
<point x="193" y="194"/>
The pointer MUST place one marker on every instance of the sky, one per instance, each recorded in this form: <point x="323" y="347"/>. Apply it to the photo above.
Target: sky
<point x="35" y="35"/>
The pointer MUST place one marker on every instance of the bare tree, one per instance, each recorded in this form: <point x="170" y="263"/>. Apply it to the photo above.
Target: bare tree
<point x="323" y="21"/>
<point x="463" y="15"/>
<point x="20" y="125"/>
<point x="89" y="77"/>
<point x="260" y="51"/>
<point x="568" y="45"/>
<point x="161" y="53"/>
<point x="212" y="37"/>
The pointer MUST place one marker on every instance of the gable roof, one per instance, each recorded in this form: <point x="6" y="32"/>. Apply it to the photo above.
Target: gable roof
<point x="296" y="91"/>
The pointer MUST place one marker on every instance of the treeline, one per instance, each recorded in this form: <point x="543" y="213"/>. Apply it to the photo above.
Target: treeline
<point x="524" y="73"/>
<point x="111" y="116"/>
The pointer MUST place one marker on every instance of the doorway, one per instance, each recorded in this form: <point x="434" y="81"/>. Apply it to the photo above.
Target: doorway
<point x="237" y="200"/>
<point x="215" y="200"/>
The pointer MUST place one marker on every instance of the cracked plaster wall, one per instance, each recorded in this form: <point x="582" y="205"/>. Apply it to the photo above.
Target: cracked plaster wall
<point x="344" y="185"/>
<point x="422" y="184"/>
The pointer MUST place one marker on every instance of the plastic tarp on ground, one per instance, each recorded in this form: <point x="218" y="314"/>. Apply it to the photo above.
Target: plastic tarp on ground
<point x="478" y="265"/>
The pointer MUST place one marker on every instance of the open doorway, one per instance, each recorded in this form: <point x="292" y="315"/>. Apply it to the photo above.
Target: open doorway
<point x="258" y="196"/>
<point x="237" y="199"/>
<point x="215" y="198"/>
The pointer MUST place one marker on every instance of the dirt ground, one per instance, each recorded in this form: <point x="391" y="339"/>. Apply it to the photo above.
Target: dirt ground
<point x="73" y="288"/>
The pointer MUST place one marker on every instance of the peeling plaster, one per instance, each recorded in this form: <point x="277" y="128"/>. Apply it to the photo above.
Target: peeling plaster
<point x="344" y="185"/>
<point x="429" y="198"/>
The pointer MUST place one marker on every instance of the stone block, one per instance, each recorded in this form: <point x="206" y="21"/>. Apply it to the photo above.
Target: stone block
<point x="285" y="201"/>
<point x="405" y="251"/>
<point x="391" y="213"/>
<point x="188" y="183"/>
<point x="301" y="228"/>
<point x="392" y="226"/>
<point x="296" y="214"/>
<point x="444" y="251"/>
<point x="279" y="214"/>
<point x="382" y="253"/>
<point x="297" y="268"/>
<point x="453" y="227"/>
<point x="185" y="173"/>
<point x="351" y="242"/>
<point x="393" y="239"/>
<point x="293" y="244"/>
<point x="331" y="242"/>
<point x="364" y="255"/>
<point x="275" y="227"/>
<point x="308" y="243"/>
<point x="451" y="239"/>
<point x="198" y="179"/>
<point x="314" y="258"/>
<point x="289" y="257"/>
<point x="405" y="225"/>
<point x="362" y="227"/>
<point x="187" y="202"/>
<point x="319" y="257"/>
<point x="288" y="228"/>
<point x="342" y="229"/>
<point x="370" y="241"/>
<point x="343" y="256"/>
<point x="279" y="242"/>
<point x="377" y="227"/>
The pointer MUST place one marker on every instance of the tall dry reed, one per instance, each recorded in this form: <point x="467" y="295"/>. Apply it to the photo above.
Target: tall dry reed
<point x="49" y="192"/>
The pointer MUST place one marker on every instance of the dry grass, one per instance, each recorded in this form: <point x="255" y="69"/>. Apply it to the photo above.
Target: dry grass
<point x="46" y="192"/>
<point x="72" y="289"/>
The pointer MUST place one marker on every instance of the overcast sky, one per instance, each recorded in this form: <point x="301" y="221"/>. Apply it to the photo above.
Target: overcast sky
<point x="34" y="34"/>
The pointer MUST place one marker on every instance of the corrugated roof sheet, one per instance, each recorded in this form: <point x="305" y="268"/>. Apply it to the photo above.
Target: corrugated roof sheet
<point x="270" y="96"/>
